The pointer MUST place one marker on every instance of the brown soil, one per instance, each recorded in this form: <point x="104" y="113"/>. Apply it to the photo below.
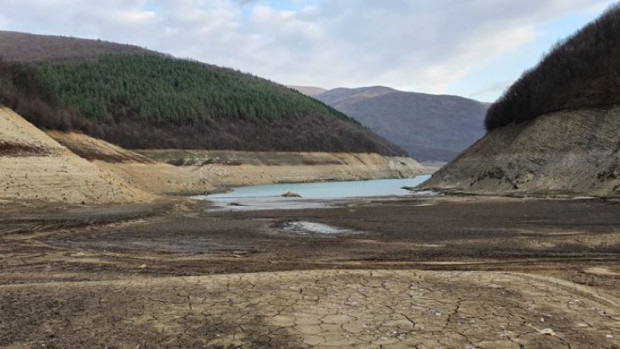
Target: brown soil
<point x="93" y="149"/>
<point x="18" y="150"/>
<point x="426" y="273"/>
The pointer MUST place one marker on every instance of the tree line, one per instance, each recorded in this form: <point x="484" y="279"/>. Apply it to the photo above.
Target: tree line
<point x="582" y="71"/>
<point x="144" y="102"/>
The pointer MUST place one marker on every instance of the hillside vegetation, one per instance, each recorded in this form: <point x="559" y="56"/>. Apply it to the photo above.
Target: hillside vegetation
<point x="161" y="90"/>
<point x="24" y="47"/>
<point x="429" y="127"/>
<point x="579" y="72"/>
<point x="146" y="101"/>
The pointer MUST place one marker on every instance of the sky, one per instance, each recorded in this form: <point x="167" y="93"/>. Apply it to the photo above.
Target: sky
<point x="471" y="48"/>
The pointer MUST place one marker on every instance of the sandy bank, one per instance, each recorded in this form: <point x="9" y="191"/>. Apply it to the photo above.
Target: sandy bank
<point x="232" y="168"/>
<point x="35" y="168"/>
<point x="138" y="170"/>
<point x="188" y="172"/>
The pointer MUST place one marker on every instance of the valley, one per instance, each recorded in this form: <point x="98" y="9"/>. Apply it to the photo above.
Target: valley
<point x="150" y="201"/>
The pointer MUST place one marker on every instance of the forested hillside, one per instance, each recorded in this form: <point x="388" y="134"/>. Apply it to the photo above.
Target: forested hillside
<point x="145" y="100"/>
<point x="582" y="71"/>
<point x="162" y="90"/>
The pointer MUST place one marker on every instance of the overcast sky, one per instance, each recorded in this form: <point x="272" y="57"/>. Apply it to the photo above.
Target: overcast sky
<point x="473" y="48"/>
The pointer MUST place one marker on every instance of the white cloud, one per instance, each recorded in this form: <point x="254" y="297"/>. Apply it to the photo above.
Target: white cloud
<point x="409" y="44"/>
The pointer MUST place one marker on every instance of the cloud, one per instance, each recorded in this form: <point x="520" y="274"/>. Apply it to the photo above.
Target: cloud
<point x="409" y="44"/>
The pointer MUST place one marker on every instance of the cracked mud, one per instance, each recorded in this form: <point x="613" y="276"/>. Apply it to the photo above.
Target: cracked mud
<point x="399" y="309"/>
<point x="423" y="273"/>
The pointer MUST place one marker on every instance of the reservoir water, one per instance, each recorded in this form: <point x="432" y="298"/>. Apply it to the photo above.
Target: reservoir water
<point x="316" y="194"/>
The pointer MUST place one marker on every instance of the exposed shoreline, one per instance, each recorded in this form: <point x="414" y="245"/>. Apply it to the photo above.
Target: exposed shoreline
<point x="454" y="250"/>
<point x="567" y="153"/>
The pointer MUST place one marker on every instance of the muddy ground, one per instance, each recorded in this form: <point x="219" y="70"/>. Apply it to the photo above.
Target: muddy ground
<point x="452" y="272"/>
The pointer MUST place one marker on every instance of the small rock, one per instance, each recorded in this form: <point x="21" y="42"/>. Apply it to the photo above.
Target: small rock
<point x="143" y="266"/>
<point x="609" y="336"/>
<point x="547" y="331"/>
<point x="290" y="194"/>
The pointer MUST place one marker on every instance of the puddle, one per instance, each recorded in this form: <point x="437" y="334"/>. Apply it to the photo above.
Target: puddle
<point x="272" y="203"/>
<point x="425" y="193"/>
<point x="303" y="227"/>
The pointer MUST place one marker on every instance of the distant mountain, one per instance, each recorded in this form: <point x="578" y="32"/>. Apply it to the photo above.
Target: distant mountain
<point x="309" y="90"/>
<point x="141" y="99"/>
<point x="429" y="127"/>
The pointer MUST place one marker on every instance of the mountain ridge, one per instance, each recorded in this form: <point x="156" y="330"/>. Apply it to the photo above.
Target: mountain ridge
<point x="430" y="127"/>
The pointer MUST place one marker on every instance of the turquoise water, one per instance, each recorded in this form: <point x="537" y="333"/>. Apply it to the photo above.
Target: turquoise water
<point x="312" y="194"/>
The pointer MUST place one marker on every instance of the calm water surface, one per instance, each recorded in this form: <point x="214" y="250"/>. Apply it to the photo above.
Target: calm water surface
<point x="312" y="194"/>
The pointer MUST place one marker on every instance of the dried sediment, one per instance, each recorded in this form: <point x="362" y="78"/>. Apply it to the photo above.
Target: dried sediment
<point x="389" y="309"/>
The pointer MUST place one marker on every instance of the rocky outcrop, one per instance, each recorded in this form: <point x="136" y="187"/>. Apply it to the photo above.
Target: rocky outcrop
<point x="570" y="153"/>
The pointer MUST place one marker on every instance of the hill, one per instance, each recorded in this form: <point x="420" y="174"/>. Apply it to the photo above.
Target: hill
<point x="137" y="98"/>
<point x="37" y="168"/>
<point x="429" y="127"/>
<point x="581" y="71"/>
<point x="556" y="131"/>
